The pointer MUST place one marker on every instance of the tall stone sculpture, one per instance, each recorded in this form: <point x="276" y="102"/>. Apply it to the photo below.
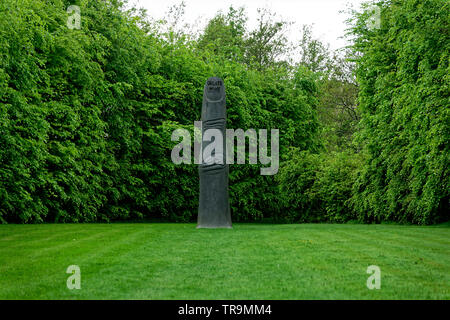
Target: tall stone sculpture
<point x="214" y="206"/>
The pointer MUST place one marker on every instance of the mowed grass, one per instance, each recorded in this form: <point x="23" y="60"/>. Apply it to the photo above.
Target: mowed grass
<point x="250" y="261"/>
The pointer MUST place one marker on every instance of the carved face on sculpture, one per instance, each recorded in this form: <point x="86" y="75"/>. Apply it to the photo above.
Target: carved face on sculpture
<point x="213" y="101"/>
<point x="214" y="89"/>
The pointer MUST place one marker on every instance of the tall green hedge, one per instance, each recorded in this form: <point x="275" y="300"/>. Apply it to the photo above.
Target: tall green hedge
<point x="403" y="75"/>
<point x="87" y="116"/>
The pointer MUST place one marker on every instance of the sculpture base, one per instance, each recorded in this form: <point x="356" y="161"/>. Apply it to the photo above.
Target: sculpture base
<point x="213" y="227"/>
<point x="214" y="206"/>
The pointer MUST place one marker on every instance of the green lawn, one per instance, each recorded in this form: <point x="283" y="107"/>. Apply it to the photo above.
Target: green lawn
<point x="250" y="261"/>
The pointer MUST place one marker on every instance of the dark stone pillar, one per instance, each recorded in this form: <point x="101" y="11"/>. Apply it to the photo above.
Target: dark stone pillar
<point x="214" y="206"/>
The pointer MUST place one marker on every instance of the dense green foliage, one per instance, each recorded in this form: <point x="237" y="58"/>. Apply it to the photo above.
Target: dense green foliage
<point x="318" y="187"/>
<point x="403" y="74"/>
<point x="86" y="115"/>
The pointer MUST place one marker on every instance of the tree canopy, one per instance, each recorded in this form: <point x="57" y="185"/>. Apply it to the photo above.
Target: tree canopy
<point x="86" y="115"/>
